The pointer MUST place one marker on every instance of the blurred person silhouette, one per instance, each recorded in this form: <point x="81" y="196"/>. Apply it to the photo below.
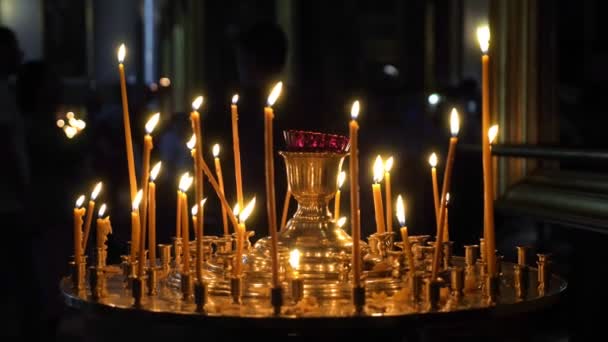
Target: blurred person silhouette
<point x="55" y="168"/>
<point x="13" y="177"/>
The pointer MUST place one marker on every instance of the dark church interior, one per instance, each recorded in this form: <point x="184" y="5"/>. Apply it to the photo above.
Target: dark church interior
<point x="408" y="62"/>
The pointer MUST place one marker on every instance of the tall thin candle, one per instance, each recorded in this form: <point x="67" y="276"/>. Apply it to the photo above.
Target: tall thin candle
<point x="285" y="208"/>
<point x="341" y="179"/>
<point x="89" y="217"/>
<point x="354" y="193"/>
<point x="237" y="149"/>
<point x="378" y="206"/>
<point x="78" y="214"/>
<point x="241" y="231"/>
<point x="270" y="192"/>
<point x="220" y="179"/>
<point x="136" y="232"/>
<point x="184" y="184"/>
<point x="407" y="249"/>
<point x="145" y="176"/>
<point x="122" y="51"/>
<point x="490" y="238"/>
<point x="433" y="163"/>
<point x="198" y="184"/>
<point x="388" y="165"/>
<point x="152" y="213"/>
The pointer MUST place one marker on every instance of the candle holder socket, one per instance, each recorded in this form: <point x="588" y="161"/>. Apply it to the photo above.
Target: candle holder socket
<point x="152" y="277"/>
<point x="492" y="287"/>
<point x="448" y="247"/>
<point x="522" y="255"/>
<point x="94" y="275"/>
<point x="138" y="288"/>
<point x="276" y="299"/>
<point x="78" y="275"/>
<point x="177" y="251"/>
<point x="297" y="289"/>
<point x="359" y="299"/>
<point x="432" y="293"/>
<point x="236" y="289"/>
<point x="200" y="295"/>
<point x="471" y="253"/>
<point x="543" y="273"/>
<point x="165" y="258"/>
<point x="417" y="283"/>
<point x="457" y="281"/>
<point x="187" y="284"/>
<point x="482" y="250"/>
<point x="521" y="276"/>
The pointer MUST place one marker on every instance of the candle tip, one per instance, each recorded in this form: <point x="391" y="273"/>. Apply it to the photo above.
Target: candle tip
<point x="152" y="122"/>
<point x="447" y="198"/>
<point x="341" y="178"/>
<point x="196" y="104"/>
<point x="354" y="110"/>
<point x="216" y="150"/>
<point x="185" y="182"/>
<point x="122" y="52"/>
<point x="96" y="191"/>
<point x="378" y="169"/>
<point x="400" y="210"/>
<point x="155" y="171"/>
<point x="274" y="94"/>
<point x="235" y="99"/>
<point x="388" y="165"/>
<point x="492" y="133"/>
<point x="294" y="259"/>
<point x="483" y="36"/>
<point x="192" y="142"/>
<point x="433" y="160"/>
<point x="341" y="221"/>
<point x="454" y="122"/>
<point x="79" y="201"/>
<point x="194" y="210"/>
<point x="102" y="210"/>
<point x="247" y="210"/>
<point x="137" y="200"/>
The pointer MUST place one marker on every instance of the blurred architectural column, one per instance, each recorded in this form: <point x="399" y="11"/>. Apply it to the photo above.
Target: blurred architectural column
<point x="523" y="99"/>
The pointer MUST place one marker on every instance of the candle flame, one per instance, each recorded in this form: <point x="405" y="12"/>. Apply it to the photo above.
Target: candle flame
<point x="196" y="104"/>
<point x="388" y="165"/>
<point x="454" y="122"/>
<point x="216" y="150"/>
<point x="155" y="171"/>
<point x="70" y="131"/>
<point x="483" y="36"/>
<point x="192" y="142"/>
<point x="60" y="123"/>
<point x="80" y="201"/>
<point x="492" y="133"/>
<point x="122" y="52"/>
<point x="236" y="210"/>
<point x="235" y="99"/>
<point x="152" y="122"/>
<point x="137" y="200"/>
<point x="354" y="110"/>
<point x="400" y="210"/>
<point x="195" y="207"/>
<point x="433" y="160"/>
<point x="185" y="182"/>
<point x="341" y="178"/>
<point x="378" y="169"/>
<point x="447" y="198"/>
<point x="102" y="210"/>
<point x="96" y="191"/>
<point x="294" y="259"/>
<point x="274" y="94"/>
<point x="247" y="210"/>
<point x="341" y="221"/>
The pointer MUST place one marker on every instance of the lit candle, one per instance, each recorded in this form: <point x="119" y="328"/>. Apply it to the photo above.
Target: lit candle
<point x="89" y="218"/>
<point x="237" y="149"/>
<point x="240" y="235"/>
<point x="194" y="210"/>
<point x="198" y="183"/>
<point x="78" y="214"/>
<point x="489" y="236"/>
<point x="148" y="145"/>
<point x="294" y="262"/>
<point x="270" y="194"/>
<point x="378" y="206"/>
<point x="152" y="213"/>
<point x="220" y="179"/>
<point x="184" y="184"/>
<point x="446" y="230"/>
<point x="126" y="122"/>
<point x="354" y="193"/>
<point x="447" y="177"/>
<point x="285" y="208"/>
<point x="388" y="165"/>
<point x="341" y="179"/>
<point x="103" y="229"/>
<point x="341" y="221"/>
<point x="407" y="249"/>
<point x="136" y="228"/>
<point x="433" y="163"/>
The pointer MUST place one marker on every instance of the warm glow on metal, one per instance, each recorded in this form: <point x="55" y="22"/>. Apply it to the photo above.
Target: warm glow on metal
<point x="96" y="191"/>
<point x="454" y="122"/>
<point x="247" y="210"/>
<point x="137" y="200"/>
<point x="341" y="221"/>
<point x="388" y="165"/>
<point x="341" y="178"/>
<point x="102" y="210"/>
<point x="400" y="211"/>
<point x="185" y="182"/>
<point x="216" y="150"/>
<point x="483" y="36"/>
<point x="235" y="98"/>
<point x="80" y="201"/>
<point x="492" y="133"/>
<point x="433" y="160"/>
<point x="152" y="122"/>
<point x="294" y="259"/>
<point x="60" y="123"/>
<point x="354" y="110"/>
<point x="378" y="169"/>
<point x="196" y="104"/>
<point x="192" y="142"/>
<point x="274" y="94"/>
<point x="155" y="171"/>
<point x="122" y="52"/>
